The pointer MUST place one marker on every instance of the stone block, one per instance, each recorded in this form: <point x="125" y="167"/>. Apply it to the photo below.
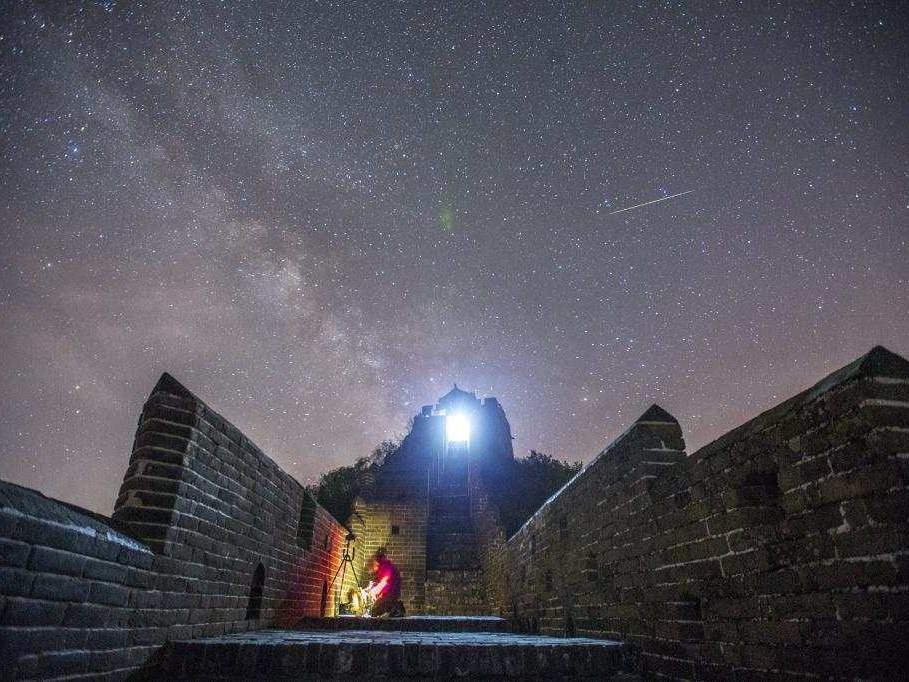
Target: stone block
<point x="16" y="582"/>
<point x="852" y="574"/>
<point x="890" y="507"/>
<point x="872" y="541"/>
<point x="108" y="638"/>
<point x="53" y="664"/>
<point x="9" y="525"/>
<point x="32" y="612"/>
<point x="860" y="483"/>
<point x="93" y="616"/>
<point x="136" y="558"/>
<point x="97" y="569"/>
<point x="60" y="588"/>
<point x="108" y="593"/>
<point x="659" y="666"/>
<point x="13" y="553"/>
<point x="19" y="641"/>
<point x="47" y="560"/>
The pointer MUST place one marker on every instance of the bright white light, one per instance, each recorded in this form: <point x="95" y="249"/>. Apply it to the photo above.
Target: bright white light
<point x="457" y="428"/>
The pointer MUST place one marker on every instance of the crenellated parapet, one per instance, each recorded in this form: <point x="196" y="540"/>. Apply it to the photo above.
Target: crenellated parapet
<point x="783" y="546"/>
<point x="208" y="536"/>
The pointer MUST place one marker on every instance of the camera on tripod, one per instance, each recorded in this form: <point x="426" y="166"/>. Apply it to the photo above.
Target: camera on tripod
<point x="343" y="609"/>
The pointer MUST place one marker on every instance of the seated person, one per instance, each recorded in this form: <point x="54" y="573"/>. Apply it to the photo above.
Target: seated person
<point x="386" y="586"/>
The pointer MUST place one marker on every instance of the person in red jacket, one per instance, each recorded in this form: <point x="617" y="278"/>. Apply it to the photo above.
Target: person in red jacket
<point x="385" y="587"/>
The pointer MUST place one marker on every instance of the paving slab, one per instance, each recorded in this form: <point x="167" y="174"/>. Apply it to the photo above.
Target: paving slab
<point x="375" y="654"/>
<point x="409" y="624"/>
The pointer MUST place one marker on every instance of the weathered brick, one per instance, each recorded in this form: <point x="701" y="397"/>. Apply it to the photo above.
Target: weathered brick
<point x="107" y="638"/>
<point x="60" y="588"/>
<point x="753" y="561"/>
<point x="47" y="560"/>
<point x="53" y="664"/>
<point x="108" y="593"/>
<point x="890" y="507"/>
<point x="782" y="580"/>
<point x="802" y="550"/>
<point x="771" y="632"/>
<point x="19" y="641"/>
<point x="93" y="615"/>
<point x="861" y="483"/>
<point x="13" y="552"/>
<point x="32" y="612"/>
<point x="16" y="581"/>
<point x="854" y="574"/>
<point x="96" y="569"/>
<point x="872" y="541"/>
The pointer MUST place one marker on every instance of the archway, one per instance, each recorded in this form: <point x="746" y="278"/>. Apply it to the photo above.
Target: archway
<point x="254" y="607"/>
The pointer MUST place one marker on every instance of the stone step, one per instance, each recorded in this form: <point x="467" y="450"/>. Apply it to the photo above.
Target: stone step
<point x="451" y="488"/>
<point x="409" y="624"/>
<point x="449" y="524"/>
<point x="451" y="502"/>
<point x="452" y="542"/>
<point x="448" y="507"/>
<point x="451" y="539"/>
<point x="453" y="560"/>
<point x="292" y="654"/>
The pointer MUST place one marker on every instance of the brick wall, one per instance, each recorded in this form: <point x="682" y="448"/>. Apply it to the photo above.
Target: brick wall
<point x="781" y="547"/>
<point x="491" y="541"/>
<point x="207" y="541"/>
<point x="69" y="587"/>
<point x="400" y="527"/>
<point x="394" y="512"/>
<point x="430" y="518"/>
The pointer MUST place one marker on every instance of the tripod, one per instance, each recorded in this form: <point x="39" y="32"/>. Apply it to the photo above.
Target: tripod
<point x="342" y="570"/>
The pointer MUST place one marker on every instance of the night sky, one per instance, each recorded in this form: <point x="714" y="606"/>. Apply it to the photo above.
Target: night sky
<point x="320" y="215"/>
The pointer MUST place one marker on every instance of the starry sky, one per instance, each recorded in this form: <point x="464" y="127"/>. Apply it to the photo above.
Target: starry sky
<point x="320" y="215"/>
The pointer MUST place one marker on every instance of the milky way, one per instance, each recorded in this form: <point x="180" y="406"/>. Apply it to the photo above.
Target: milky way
<point x="319" y="216"/>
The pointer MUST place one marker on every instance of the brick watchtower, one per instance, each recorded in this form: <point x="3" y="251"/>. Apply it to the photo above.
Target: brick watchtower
<point x="420" y="506"/>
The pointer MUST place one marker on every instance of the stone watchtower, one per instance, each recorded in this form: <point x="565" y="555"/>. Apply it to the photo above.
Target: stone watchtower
<point x="419" y="508"/>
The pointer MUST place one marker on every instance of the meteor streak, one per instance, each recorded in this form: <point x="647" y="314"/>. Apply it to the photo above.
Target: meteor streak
<point x="652" y="201"/>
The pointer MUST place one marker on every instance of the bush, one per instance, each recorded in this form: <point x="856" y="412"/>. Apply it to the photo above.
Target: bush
<point x="528" y="482"/>
<point x="337" y="488"/>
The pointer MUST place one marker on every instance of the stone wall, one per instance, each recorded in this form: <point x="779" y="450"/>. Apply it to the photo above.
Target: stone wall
<point x="491" y="541"/>
<point x="400" y="527"/>
<point x="782" y="547"/>
<point x="419" y="507"/>
<point x="69" y="588"/>
<point x="199" y="492"/>
<point x="208" y="536"/>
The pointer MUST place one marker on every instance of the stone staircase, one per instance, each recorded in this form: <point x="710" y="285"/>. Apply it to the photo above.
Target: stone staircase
<point x="420" y="647"/>
<point x="454" y="579"/>
<point x="451" y="542"/>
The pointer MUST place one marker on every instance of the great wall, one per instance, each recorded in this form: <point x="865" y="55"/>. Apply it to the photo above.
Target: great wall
<point x="779" y="550"/>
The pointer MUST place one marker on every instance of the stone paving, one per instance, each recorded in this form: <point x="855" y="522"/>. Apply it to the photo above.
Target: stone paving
<point x="409" y="624"/>
<point x="315" y="654"/>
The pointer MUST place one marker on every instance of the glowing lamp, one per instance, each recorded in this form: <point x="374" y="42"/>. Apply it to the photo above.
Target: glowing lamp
<point x="457" y="428"/>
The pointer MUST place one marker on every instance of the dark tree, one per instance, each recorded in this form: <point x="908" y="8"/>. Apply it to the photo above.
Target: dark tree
<point x="521" y="487"/>
<point x="528" y="484"/>
<point x="337" y="488"/>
